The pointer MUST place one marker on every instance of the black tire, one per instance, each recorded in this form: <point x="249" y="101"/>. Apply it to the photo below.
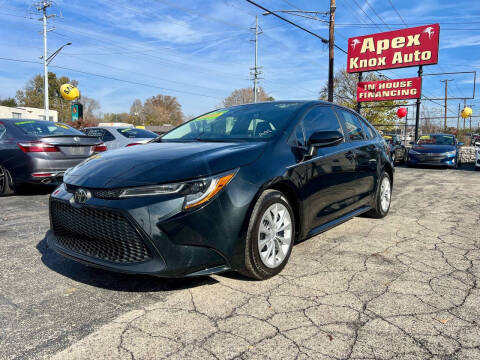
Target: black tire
<point x="477" y="168"/>
<point x="254" y="266"/>
<point x="6" y="182"/>
<point x="377" y="211"/>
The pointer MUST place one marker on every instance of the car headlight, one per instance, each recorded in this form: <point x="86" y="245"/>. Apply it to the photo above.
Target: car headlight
<point x="196" y="192"/>
<point x="453" y="152"/>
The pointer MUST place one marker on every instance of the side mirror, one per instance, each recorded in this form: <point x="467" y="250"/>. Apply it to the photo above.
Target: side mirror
<point x="324" y="139"/>
<point x="460" y="144"/>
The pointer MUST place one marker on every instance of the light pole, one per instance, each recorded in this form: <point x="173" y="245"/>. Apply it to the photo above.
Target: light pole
<point x="46" y="61"/>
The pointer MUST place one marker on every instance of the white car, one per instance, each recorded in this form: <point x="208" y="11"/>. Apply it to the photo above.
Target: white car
<point x="116" y="137"/>
<point x="477" y="157"/>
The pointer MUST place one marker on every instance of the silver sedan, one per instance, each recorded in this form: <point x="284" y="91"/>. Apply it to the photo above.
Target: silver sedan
<point x="116" y="137"/>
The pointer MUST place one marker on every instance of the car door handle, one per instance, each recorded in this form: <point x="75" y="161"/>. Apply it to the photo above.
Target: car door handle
<point x="350" y="155"/>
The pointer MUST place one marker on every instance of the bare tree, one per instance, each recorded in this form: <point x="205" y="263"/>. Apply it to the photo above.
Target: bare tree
<point x="245" y="96"/>
<point x="91" y="108"/>
<point x="163" y="109"/>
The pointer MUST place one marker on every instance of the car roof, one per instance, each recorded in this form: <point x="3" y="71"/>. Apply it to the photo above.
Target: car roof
<point x="23" y="119"/>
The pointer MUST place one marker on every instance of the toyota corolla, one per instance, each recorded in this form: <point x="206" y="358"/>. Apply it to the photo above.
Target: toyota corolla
<point x="233" y="189"/>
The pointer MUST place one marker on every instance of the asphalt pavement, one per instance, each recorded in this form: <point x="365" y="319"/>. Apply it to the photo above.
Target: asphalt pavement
<point x="403" y="287"/>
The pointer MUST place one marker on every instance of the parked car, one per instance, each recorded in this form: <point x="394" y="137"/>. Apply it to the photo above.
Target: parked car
<point x="398" y="152"/>
<point x="116" y="137"/>
<point x="477" y="157"/>
<point x="435" y="149"/>
<point x="230" y="190"/>
<point x="475" y="140"/>
<point x="39" y="151"/>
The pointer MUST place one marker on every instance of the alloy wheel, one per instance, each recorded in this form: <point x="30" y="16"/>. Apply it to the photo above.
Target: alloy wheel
<point x="385" y="194"/>
<point x="275" y="235"/>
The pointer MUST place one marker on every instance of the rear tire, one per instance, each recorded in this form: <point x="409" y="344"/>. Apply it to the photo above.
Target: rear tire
<point x="6" y="182"/>
<point x="270" y="236"/>
<point x="382" y="198"/>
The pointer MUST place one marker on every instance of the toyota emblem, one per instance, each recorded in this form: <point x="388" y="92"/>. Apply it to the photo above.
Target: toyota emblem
<point x="81" y="196"/>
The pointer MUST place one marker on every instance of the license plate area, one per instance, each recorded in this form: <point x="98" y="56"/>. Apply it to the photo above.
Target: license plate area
<point x="76" y="150"/>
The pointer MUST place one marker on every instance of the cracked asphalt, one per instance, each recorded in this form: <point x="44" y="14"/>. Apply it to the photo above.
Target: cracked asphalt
<point x="404" y="287"/>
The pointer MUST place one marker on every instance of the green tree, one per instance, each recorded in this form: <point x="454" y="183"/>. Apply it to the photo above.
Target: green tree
<point x="10" y="102"/>
<point x="245" y="96"/>
<point x="32" y="94"/>
<point x="345" y="94"/>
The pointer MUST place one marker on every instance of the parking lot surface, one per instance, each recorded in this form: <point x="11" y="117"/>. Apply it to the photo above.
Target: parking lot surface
<point x="403" y="287"/>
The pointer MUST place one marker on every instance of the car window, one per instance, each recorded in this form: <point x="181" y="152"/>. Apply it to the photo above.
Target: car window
<point x="436" y="140"/>
<point x="132" y="133"/>
<point x="353" y="125"/>
<point x="45" y="128"/>
<point x="3" y="131"/>
<point x="107" y="136"/>
<point x="297" y="138"/>
<point x="320" y="118"/>
<point x="98" y="133"/>
<point x="369" y="133"/>
<point x="254" y="122"/>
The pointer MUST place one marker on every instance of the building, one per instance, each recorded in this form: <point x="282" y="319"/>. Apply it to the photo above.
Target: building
<point x="24" y="112"/>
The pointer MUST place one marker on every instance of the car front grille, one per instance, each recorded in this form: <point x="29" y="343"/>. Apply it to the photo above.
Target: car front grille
<point x="107" y="194"/>
<point x="99" y="233"/>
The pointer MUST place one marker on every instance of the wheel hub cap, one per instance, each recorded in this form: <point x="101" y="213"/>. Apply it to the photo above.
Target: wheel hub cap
<point x="275" y="235"/>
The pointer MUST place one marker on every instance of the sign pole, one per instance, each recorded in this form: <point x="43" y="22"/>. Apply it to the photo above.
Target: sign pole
<point x="359" y="104"/>
<point x="417" y="120"/>
<point x="405" y="131"/>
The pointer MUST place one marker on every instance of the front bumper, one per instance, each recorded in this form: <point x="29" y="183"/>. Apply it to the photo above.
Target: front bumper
<point x="432" y="159"/>
<point x="161" y="239"/>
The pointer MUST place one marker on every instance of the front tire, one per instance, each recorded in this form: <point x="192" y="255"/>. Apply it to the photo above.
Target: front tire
<point x="6" y="182"/>
<point x="270" y="236"/>
<point x="382" y="198"/>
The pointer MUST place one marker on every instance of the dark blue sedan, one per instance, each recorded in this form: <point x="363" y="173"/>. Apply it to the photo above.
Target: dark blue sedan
<point x="435" y="149"/>
<point x="232" y="189"/>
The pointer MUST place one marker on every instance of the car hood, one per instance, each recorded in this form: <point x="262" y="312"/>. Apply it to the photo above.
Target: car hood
<point x="161" y="163"/>
<point x="433" y="148"/>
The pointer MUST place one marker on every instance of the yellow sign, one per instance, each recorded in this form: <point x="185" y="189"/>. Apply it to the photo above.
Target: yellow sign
<point x="212" y="115"/>
<point x="69" y="92"/>
<point x="140" y="127"/>
<point x="466" y="112"/>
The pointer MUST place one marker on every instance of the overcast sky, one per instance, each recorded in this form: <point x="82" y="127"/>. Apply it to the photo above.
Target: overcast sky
<point x="199" y="51"/>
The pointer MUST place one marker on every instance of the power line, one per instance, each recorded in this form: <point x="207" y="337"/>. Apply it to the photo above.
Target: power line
<point x="112" y="78"/>
<point x="395" y="9"/>
<point x="371" y="7"/>
<point x="368" y="16"/>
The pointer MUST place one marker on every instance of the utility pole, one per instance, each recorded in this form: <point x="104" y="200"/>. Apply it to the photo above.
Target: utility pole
<point x="331" y="48"/>
<point x="43" y="6"/>
<point x="446" y="99"/>
<point x="458" y="117"/>
<point x="256" y="69"/>
<point x="464" y="106"/>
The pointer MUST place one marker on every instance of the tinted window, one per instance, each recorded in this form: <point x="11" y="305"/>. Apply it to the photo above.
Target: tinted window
<point x="45" y="128"/>
<point x="369" y="134"/>
<point x="353" y="126"/>
<point x="436" y="140"/>
<point x="246" y="122"/>
<point x="107" y="136"/>
<point x="137" y="133"/>
<point x="320" y="118"/>
<point x="298" y="138"/>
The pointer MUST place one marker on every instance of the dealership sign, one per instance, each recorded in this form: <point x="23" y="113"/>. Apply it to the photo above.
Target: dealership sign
<point x="409" y="88"/>
<point x="394" y="49"/>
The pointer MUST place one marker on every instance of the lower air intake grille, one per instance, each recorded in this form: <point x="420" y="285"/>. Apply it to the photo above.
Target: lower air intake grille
<point x="102" y="234"/>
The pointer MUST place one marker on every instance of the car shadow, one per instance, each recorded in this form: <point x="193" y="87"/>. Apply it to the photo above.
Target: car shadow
<point x="461" y="167"/>
<point x="111" y="280"/>
<point x="34" y="189"/>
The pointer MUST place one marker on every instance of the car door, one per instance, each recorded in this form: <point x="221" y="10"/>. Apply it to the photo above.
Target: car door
<point x="327" y="176"/>
<point x="362" y="140"/>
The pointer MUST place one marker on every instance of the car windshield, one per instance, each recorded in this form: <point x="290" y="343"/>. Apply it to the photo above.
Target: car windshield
<point x="46" y="128"/>
<point x="436" y="140"/>
<point x="133" y="133"/>
<point x="254" y="122"/>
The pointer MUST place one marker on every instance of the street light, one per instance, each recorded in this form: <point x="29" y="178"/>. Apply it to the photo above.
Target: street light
<point x="46" y="61"/>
